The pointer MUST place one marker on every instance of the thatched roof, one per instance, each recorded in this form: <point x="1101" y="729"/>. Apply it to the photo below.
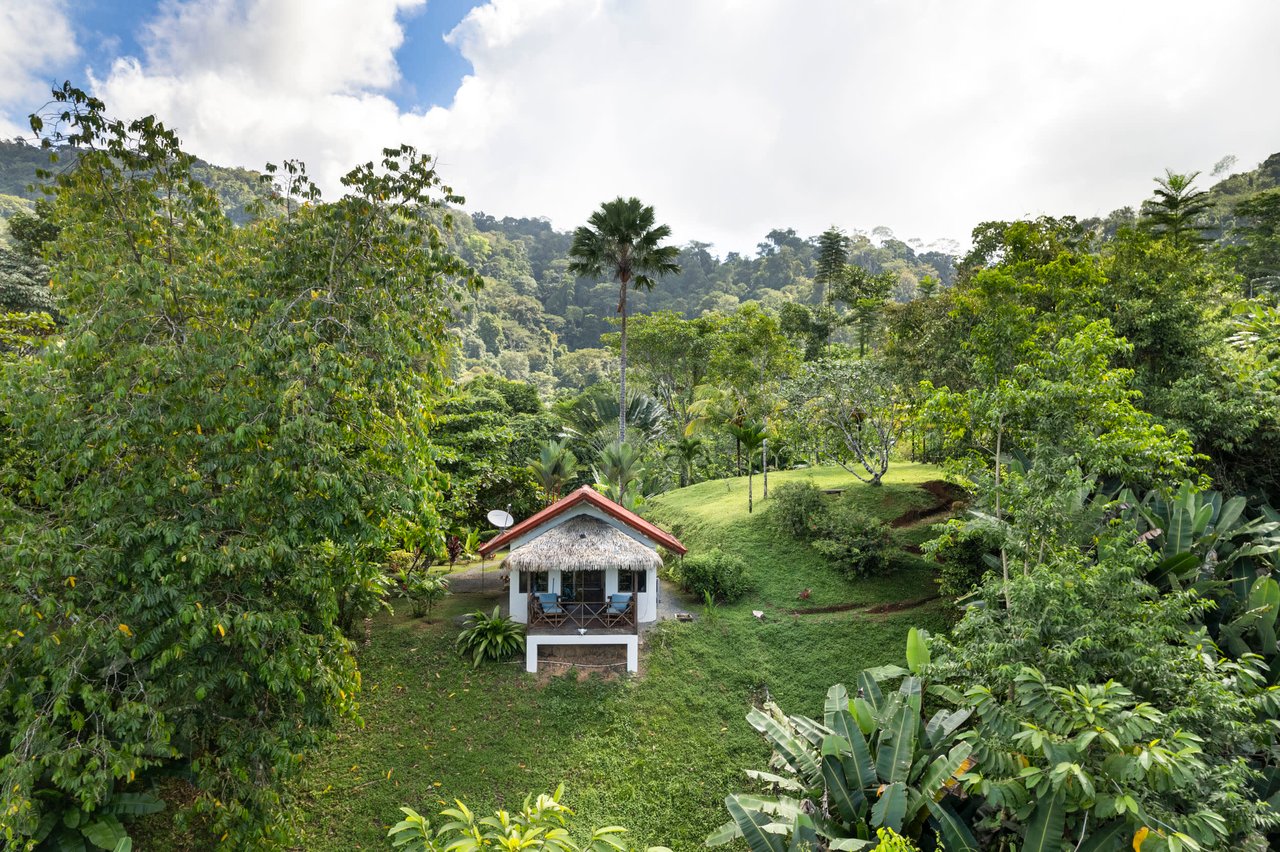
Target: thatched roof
<point x="583" y="543"/>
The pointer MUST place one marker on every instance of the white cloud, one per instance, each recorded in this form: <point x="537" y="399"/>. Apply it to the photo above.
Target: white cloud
<point x="735" y="117"/>
<point x="34" y="37"/>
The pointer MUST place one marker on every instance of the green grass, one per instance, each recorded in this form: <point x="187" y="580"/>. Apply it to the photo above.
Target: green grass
<point x="657" y="753"/>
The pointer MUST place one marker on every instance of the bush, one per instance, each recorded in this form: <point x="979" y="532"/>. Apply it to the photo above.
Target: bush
<point x="963" y="552"/>
<point x="490" y="637"/>
<point x="799" y="509"/>
<point x="542" y="824"/>
<point x="857" y="543"/>
<point x="717" y="573"/>
<point x="422" y="590"/>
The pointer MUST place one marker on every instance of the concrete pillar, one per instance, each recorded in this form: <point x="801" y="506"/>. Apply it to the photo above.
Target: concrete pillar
<point x="531" y="655"/>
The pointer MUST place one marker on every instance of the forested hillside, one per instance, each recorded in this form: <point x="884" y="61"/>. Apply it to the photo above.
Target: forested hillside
<point x="244" y="454"/>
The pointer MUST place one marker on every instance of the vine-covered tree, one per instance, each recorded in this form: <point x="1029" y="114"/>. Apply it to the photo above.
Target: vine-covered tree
<point x="622" y="239"/>
<point x="229" y="438"/>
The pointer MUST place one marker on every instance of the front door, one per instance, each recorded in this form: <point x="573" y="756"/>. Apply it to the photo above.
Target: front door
<point x="585" y="586"/>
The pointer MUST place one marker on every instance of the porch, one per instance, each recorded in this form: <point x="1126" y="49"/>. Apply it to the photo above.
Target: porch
<point x="567" y="618"/>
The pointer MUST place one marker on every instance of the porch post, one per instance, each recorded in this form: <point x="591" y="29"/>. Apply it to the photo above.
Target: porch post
<point x="531" y="655"/>
<point x="633" y="654"/>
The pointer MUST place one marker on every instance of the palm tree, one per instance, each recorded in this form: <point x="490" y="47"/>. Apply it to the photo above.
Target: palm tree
<point x="589" y="420"/>
<point x="620" y="474"/>
<point x="751" y="435"/>
<point x="686" y="451"/>
<point x="555" y="468"/>
<point x="1175" y="209"/>
<point x="621" y="239"/>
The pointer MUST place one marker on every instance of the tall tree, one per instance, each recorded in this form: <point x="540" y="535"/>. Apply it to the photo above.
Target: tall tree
<point x="622" y="239"/>
<point x="226" y="444"/>
<point x="833" y="254"/>
<point x="865" y="294"/>
<point x="1176" y="209"/>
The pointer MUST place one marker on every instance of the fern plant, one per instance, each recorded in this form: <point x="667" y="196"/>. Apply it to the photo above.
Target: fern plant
<point x="491" y="636"/>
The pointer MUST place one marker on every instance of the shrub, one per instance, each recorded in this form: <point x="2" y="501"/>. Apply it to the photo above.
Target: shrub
<point x="799" y="509"/>
<point x="490" y="637"/>
<point x="719" y="574"/>
<point x="422" y="590"/>
<point x="857" y="543"/>
<point x="540" y="825"/>
<point x="964" y="557"/>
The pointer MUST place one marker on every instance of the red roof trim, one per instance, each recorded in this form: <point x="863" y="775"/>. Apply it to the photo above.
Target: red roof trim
<point x="585" y="494"/>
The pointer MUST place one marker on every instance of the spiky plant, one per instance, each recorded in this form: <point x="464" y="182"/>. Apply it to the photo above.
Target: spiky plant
<point x="490" y="636"/>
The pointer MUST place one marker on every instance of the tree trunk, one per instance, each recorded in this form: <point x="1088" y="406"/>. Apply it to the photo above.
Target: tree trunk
<point x="622" y="363"/>
<point x="1004" y="558"/>
<point x="750" y="496"/>
<point x="766" y="470"/>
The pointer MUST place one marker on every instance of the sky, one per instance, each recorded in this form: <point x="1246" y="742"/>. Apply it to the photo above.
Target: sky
<point x="731" y="117"/>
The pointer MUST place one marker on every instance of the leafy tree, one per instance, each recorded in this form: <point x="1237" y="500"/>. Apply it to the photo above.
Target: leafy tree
<point x="750" y="359"/>
<point x="1258" y="251"/>
<point x="864" y="293"/>
<point x="1083" y="644"/>
<point x="672" y="356"/>
<point x="811" y="327"/>
<point x="1066" y="409"/>
<point x="227" y="442"/>
<point x="622" y="239"/>
<point x="856" y="403"/>
<point x="483" y="444"/>
<point x="1177" y="209"/>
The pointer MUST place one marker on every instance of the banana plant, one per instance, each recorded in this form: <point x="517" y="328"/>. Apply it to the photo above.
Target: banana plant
<point x="1200" y="536"/>
<point x="873" y="762"/>
<point x="1207" y="543"/>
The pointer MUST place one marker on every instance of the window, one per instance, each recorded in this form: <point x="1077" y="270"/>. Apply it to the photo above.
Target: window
<point x="633" y="581"/>
<point x="540" y="583"/>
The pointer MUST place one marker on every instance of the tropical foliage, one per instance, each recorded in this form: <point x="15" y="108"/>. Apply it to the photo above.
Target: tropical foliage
<point x="542" y="823"/>
<point x="219" y="451"/>
<point x="490" y="636"/>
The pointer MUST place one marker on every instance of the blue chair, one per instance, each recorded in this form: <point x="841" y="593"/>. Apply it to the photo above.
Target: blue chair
<point x="549" y="603"/>
<point x="618" y="608"/>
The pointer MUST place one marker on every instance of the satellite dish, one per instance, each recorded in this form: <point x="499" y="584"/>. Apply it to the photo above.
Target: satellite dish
<point x="500" y="519"/>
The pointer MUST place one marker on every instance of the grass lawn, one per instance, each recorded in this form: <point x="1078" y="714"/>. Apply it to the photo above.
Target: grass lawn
<point x="656" y="753"/>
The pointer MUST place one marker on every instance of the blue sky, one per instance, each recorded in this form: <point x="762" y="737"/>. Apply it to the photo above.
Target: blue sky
<point x="731" y="117"/>
<point x="431" y="70"/>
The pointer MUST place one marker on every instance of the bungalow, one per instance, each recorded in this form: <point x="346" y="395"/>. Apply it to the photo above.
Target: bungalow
<point x="583" y="571"/>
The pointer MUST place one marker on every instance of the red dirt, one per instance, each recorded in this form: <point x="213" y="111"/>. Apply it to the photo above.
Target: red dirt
<point x="878" y="609"/>
<point x="945" y="494"/>
<point x="899" y="606"/>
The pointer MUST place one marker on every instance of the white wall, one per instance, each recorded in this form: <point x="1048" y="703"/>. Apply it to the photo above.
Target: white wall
<point x="518" y="603"/>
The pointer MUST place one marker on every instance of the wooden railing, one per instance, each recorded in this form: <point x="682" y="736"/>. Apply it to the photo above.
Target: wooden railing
<point x="581" y="616"/>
